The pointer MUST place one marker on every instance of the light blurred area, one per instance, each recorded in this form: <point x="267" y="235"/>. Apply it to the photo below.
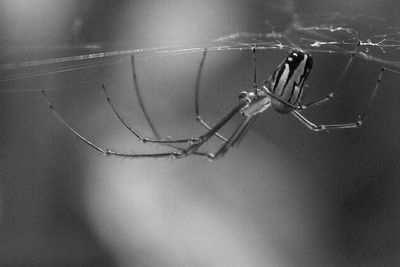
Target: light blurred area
<point x="35" y="21"/>
<point x="285" y="197"/>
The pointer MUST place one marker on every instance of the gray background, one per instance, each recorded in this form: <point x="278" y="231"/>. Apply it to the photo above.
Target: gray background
<point x="285" y="197"/>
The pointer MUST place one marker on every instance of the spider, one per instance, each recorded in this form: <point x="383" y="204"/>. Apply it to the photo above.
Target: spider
<point x="283" y="91"/>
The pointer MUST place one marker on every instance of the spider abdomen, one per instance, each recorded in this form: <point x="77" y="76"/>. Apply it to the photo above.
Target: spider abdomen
<point x="287" y="81"/>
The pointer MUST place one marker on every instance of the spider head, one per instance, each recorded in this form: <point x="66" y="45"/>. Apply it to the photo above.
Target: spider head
<point x="247" y="95"/>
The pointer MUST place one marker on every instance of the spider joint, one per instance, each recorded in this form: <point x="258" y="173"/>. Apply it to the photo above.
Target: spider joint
<point x="175" y="155"/>
<point x="318" y="128"/>
<point x="194" y="140"/>
<point x="211" y="157"/>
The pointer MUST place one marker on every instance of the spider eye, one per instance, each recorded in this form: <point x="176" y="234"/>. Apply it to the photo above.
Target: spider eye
<point x="242" y="95"/>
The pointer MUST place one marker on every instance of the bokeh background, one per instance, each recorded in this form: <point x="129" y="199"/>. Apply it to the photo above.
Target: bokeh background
<point x="285" y="197"/>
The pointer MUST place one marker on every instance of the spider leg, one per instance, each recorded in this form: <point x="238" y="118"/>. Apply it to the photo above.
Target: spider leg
<point x="196" y="98"/>
<point x="221" y="123"/>
<point x="244" y="130"/>
<point x="355" y="124"/>
<point x="102" y="150"/>
<point x="325" y="127"/>
<point x="335" y="88"/>
<point x="140" y="100"/>
<point x="140" y="137"/>
<point x="235" y="138"/>
<point x="254" y="70"/>
<point x="374" y="92"/>
<point x="191" y="149"/>
<point x="145" y="113"/>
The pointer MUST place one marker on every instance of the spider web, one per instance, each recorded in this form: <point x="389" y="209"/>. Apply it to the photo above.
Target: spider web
<point x="378" y="40"/>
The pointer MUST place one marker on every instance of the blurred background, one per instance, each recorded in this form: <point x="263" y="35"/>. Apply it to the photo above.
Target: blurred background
<point x="285" y="197"/>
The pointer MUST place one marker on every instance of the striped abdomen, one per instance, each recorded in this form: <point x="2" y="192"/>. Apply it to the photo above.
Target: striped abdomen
<point x="287" y="81"/>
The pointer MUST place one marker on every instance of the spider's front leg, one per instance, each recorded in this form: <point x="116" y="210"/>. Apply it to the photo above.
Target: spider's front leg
<point x="198" y="142"/>
<point x="256" y="104"/>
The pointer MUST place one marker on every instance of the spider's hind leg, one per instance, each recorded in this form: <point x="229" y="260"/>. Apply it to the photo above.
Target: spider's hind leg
<point x="235" y="138"/>
<point x="335" y="88"/>
<point x="351" y="125"/>
<point x="325" y="127"/>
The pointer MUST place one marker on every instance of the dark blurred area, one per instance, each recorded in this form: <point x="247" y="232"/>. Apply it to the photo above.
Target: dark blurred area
<point x="286" y="197"/>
